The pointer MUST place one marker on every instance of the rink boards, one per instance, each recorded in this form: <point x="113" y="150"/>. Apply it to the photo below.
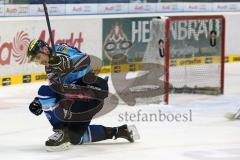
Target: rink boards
<point x="79" y="31"/>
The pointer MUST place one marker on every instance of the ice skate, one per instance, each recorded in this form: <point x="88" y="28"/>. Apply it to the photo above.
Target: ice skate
<point x="129" y="133"/>
<point x="59" y="141"/>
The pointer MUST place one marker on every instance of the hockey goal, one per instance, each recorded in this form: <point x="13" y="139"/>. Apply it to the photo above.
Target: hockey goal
<point x="191" y="51"/>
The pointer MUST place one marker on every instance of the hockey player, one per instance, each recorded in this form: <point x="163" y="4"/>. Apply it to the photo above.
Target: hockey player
<point x="70" y="76"/>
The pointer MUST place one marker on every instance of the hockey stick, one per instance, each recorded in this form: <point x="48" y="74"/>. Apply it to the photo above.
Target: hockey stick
<point x="49" y="27"/>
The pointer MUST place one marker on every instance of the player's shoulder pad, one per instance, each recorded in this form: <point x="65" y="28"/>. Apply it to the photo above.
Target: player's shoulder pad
<point x="67" y="49"/>
<point x="62" y="48"/>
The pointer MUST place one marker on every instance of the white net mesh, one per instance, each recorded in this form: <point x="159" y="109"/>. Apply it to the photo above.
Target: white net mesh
<point x="195" y="53"/>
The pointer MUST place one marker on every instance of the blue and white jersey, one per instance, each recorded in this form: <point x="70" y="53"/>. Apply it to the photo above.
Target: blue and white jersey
<point x="75" y="65"/>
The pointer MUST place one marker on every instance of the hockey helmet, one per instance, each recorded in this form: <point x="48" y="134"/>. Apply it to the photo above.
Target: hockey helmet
<point x="35" y="47"/>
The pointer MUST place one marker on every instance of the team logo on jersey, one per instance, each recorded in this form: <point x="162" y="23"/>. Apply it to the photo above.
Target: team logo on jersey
<point x="63" y="49"/>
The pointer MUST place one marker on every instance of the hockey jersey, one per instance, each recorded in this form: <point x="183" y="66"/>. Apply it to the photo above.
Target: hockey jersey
<point x="70" y="66"/>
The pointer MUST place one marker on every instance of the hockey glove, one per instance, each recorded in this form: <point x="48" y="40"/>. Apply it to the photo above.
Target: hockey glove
<point x="35" y="107"/>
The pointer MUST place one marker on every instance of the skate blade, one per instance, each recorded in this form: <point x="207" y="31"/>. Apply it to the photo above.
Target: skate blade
<point x="133" y="129"/>
<point x="63" y="147"/>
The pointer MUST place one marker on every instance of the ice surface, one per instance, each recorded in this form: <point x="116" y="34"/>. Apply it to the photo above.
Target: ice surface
<point x="209" y="136"/>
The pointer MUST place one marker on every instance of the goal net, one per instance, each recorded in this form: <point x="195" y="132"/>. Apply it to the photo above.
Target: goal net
<point x="190" y="51"/>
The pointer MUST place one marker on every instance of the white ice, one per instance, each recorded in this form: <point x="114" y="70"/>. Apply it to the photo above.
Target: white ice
<point x="208" y="137"/>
